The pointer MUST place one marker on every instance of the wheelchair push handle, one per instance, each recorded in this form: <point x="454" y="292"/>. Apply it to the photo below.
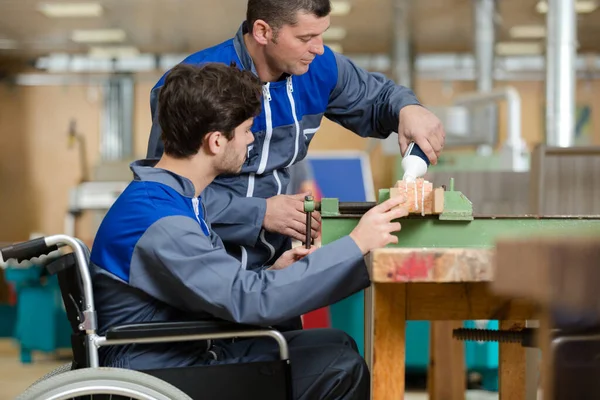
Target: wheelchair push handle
<point x="27" y="250"/>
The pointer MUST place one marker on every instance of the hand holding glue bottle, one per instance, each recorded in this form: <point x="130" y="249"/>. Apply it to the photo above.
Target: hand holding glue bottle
<point x="414" y="163"/>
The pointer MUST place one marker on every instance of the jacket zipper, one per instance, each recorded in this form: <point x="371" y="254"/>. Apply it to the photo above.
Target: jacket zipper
<point x="290" y="91"/>
<point x="269" y="129"/>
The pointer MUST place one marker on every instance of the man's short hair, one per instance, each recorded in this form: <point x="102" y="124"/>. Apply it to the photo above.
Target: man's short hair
<point x="198" y="99"/>
<point x="277" y="13"/>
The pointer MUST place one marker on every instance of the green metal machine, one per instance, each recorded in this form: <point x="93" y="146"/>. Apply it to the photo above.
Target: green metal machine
<point x="456" y="227"/>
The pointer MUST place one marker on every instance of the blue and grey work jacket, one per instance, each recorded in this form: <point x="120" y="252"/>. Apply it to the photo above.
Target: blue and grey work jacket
<point x="293" y="107"/>
<point x="156" y="258"/>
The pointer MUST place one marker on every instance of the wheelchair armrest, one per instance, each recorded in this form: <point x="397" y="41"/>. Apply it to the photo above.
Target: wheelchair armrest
<point x="150" y="330"/>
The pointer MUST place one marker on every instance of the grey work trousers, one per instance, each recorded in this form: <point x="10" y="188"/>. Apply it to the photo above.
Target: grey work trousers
<point x="325" y="363"/>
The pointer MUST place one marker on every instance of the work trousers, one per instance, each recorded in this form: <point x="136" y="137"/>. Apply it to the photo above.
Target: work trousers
<point x="325" y="363"/>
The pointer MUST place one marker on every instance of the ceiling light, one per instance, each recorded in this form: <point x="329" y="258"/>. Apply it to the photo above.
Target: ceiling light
<point x="339" y="8"/>
<point x="334" y="33"/>
<point x="528" y="32"/>
<point x="8" y="44"/>
<point x="113" y="52"/>
<point x="336" y="47"/>
<point x="70" y="10"/>
<point x="581" y="6"/>
<point x="518" y="48"/>
<point x="98" y="36"/>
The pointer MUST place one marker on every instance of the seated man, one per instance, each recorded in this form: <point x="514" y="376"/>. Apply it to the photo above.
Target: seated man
<point x="155" y="257"/>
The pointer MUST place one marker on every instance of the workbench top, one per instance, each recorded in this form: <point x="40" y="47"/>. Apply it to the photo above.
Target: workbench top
<point x="403" y="265"/>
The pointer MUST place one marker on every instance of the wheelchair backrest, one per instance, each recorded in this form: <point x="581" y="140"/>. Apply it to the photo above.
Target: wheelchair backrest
<point x="71" y="290"/>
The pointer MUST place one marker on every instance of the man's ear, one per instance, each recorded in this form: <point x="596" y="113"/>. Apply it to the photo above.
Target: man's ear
<point x="215" y="142"/>
<point x="262" y="32"/>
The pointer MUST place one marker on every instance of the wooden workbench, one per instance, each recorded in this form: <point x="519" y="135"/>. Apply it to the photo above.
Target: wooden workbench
<point x="443" y="285"/>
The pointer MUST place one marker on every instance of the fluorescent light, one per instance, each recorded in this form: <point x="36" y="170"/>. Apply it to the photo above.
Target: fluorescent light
<point x="334" y="33"/>
<point x="528" y="32"/>
<point x="98" y="36"/>
<point x="113" y="52"/>
<point x="581" y="6"/>
<point x="8" y="44"/>
<point x="518" y="48"/>
<point x="335" y="47"/>
<point x="70" y="10"/>
<point x="339" y="8"/>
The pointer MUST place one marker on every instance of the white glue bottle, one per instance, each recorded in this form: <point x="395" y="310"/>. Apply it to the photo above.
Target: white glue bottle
<point x="414" y="163"/>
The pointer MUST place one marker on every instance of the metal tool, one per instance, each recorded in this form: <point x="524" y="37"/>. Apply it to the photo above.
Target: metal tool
<point x="309" y="207"/>
<point x="525" y="336"/>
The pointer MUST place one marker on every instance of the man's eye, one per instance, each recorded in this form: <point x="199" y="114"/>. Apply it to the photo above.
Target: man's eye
<point x="305" y="40"/>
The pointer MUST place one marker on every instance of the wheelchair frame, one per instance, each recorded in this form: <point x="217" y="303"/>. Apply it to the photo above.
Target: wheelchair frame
<point x="126" y="334"/>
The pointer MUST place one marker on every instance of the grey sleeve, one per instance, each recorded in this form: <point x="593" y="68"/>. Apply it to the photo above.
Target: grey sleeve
<point x="234" y="218"/>
<point x="176" y="263"/>
<point x="366" y="103"/>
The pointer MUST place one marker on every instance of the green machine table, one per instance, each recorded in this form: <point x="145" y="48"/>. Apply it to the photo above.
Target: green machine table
<point x="440" y="270"/>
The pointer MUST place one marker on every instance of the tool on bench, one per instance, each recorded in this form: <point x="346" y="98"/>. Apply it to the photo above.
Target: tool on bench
<point x="309" y="207"/>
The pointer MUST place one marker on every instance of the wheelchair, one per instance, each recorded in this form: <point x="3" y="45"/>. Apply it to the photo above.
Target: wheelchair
<point x="84" y="379"/>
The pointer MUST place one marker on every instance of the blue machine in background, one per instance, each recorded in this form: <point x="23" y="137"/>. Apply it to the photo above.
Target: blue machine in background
<point x="347" y="175"/>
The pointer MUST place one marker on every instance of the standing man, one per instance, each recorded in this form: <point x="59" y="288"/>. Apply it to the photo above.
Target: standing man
<point x="281" y="42"/>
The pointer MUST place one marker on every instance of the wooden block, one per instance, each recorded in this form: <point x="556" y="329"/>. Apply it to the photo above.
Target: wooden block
<point x="418" y="196"/>
<point x="432" y="265"/>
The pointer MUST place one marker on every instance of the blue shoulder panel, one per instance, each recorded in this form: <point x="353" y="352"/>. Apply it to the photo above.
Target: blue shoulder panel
<point x="223" y="52"/>
<point x="136" y="209"/>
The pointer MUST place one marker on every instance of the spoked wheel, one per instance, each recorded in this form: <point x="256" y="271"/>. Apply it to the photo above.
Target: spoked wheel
<point x="103" y="383"/>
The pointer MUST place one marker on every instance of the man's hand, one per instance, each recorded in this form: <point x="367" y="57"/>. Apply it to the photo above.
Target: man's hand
<point x="291" y="256"/>
<point x="285" y="214"/>
<point x="419" y="125"/>
<point x="375" y="228"/>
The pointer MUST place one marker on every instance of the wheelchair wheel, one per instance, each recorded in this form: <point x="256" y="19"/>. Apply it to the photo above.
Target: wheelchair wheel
<point x="124" y="383"/>
<point x="60" y="370"/>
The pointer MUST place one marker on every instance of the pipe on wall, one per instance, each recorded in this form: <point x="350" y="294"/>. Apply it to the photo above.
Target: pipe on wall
<point x="561" y="56"/>
<point x="484" y="40"/>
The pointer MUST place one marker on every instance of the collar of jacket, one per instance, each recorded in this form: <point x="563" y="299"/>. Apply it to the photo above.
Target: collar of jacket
<point x="144" y="170"/>
<point x="244" y="55"/>
<point x="242" y="50"/>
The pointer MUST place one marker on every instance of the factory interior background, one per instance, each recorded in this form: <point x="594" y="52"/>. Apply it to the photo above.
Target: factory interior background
<point x="75" y="81"/>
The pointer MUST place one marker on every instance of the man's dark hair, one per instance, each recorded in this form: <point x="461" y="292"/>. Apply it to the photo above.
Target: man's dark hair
<point x="196" y="100"/>
<point x="277" y="13"/>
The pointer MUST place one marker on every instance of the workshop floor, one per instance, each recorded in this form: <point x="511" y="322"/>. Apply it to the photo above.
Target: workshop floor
<point x="16" y="377"/>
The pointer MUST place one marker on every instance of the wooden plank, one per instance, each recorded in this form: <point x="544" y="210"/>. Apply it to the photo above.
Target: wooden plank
<point x="389" y="341"/>
<point x="432" y="265"/>
<point x="462" y="301"/>
<point x="512" y="367"/>
<point x="446" y="378"/>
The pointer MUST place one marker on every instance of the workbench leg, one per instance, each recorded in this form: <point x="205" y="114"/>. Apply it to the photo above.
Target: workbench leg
<point x="389" y="335"/>
<point x="446" y="378"/>
<point x="511" y="374"/>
